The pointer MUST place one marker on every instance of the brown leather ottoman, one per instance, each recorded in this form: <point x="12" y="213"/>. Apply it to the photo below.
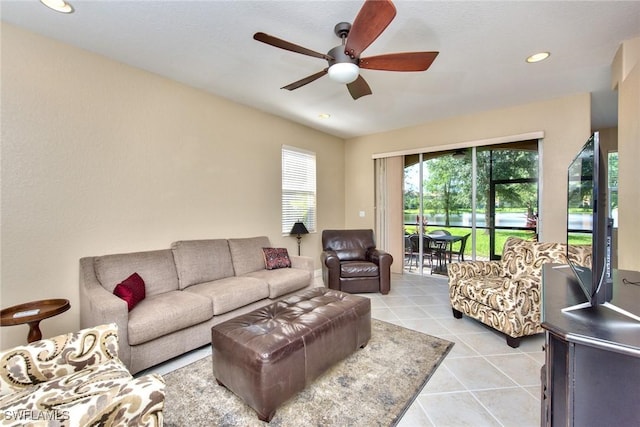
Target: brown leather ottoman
<point x="270" y="354"/>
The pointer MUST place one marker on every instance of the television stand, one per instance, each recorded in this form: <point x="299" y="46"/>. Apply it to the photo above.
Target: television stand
<point x="608" y="305"/>
<point x="591" y="375"/>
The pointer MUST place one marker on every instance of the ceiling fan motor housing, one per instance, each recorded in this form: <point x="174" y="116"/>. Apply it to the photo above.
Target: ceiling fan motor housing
<point x="338" y="56"/>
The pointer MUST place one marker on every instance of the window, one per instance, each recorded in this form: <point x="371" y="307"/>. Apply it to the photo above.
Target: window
<point x="298" y="188"/>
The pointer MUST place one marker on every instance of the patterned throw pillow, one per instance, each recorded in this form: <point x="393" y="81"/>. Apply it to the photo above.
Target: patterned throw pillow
<point x="276" y="258"/>
<point x="131" y="290"/>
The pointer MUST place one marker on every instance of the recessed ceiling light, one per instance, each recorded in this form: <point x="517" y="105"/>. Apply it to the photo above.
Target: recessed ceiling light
<point x="324" y="115"/>
<point x="58" y="5"/>
<point x="537" y="57"/>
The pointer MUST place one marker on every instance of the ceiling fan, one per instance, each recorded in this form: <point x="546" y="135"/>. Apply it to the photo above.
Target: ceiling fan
<point x="344" y="60"/>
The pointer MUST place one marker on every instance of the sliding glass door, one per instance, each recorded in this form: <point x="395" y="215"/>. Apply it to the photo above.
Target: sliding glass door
<point x="488" y="193"/>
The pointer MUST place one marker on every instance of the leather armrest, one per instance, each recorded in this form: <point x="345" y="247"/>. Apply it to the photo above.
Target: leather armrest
<point x="383" y="260"/>
<point x="378" y="256"/>
<point x="330" y="259"/>
<point x="330" y="269"/>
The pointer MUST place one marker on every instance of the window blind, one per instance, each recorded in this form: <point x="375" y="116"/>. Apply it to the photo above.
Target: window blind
<point x="298" y="188"/>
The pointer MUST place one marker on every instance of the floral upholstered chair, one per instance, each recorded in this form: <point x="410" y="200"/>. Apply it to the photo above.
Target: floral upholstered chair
<point x="76" y="380"/>
<point x="506" y="294"/>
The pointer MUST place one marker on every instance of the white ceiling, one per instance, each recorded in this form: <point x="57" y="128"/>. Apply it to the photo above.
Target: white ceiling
<point x="482" y="45"/>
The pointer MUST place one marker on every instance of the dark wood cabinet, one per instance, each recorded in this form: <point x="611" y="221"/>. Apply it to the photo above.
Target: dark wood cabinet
<point x="591" y="375"/>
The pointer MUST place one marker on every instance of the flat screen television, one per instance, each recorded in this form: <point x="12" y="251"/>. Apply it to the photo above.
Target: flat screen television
<point x="588" y="217"/>
<point x="588" y="220"/>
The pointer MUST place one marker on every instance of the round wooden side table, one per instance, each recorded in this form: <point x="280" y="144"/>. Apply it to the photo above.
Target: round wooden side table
<point x="32" y="313"/>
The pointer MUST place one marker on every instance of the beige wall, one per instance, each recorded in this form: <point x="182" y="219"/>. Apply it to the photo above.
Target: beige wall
<point x="99" y="157"/>
<point x="626" y="78"/>
<point x="565" y="123"/>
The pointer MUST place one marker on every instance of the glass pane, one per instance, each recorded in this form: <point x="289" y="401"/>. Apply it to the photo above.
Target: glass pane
<point x="516" y="205"/>
<point x="514" y="164"/>
<point x="516" y="212"/>
<point x="447" y="190"/>
<point x="411" y="194"/>
<point x="482" y="213"/>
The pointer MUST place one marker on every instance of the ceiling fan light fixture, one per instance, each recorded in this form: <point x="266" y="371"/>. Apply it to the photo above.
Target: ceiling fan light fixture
<point x="537" y="57"/>
<point x="58" y="5"/>
<point x="344" y="72"/>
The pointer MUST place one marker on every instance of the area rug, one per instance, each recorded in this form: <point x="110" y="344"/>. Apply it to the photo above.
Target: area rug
<point x="372" y="387"/>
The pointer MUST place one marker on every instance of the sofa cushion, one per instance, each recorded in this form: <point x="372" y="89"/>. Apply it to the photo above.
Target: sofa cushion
<point x="495" y="292"/>
<point x="167" y="313"/>
<point x="352" y="254"/>
<point x="358" y="269"/>
<point x="156" y="268"/>
<point x="131" y="290"/>
<point x="247" y="254"/>
<point x="231" y="293"/>
<point x="199" y="261"/>
<point x="284" y="280"/>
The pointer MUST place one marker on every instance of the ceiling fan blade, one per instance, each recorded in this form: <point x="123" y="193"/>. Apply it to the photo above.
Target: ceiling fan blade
<point x="408" y="61"/>
<point x="283" y="44"/>
<point x="373" y="18"/>
<point x="359" y="88"/>
<point x="306" y="80"/>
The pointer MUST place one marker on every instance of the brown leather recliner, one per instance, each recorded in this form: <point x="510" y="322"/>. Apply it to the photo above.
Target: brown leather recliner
<point x="351" y="263"/>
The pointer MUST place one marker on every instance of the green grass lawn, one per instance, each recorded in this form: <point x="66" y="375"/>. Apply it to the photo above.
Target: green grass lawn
<point x="482" y="238"/>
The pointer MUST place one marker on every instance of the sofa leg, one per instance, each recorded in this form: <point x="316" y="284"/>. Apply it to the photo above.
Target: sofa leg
<point x="456" y="313"/>
<point x="513" y="342"/>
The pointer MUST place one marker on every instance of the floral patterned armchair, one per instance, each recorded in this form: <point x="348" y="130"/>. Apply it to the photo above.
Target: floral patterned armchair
<point x="76" y="380"/>
<point x="506" y="294"/>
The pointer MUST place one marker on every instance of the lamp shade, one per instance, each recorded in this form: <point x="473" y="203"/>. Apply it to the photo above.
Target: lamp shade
<point x="299" y="228"/>
<point x="343" y="72"/>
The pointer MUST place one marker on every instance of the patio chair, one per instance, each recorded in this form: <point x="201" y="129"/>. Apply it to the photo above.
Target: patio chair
<point x="411" y="252"/>
<point x="460" y="252"/>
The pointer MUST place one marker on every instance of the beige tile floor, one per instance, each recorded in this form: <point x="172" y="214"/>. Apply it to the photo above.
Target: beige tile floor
<point x="482" y="382"/>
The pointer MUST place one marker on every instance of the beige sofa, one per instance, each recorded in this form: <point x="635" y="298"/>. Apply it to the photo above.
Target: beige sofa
<point x="506" y="294"/>
<point x="189" y="288"/>
<point x="76" y="380"/>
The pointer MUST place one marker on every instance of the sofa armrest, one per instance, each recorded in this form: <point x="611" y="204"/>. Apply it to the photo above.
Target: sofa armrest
<point x="99" y="306"/>
<point x="47" y="359"/>
<point x="302" y="262"/>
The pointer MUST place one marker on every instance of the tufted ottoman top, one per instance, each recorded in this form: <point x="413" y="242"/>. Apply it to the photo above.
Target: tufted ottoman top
<point x="276" y="330"/>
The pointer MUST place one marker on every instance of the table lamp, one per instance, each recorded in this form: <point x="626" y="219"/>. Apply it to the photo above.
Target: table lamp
<point x="299" y="229"/>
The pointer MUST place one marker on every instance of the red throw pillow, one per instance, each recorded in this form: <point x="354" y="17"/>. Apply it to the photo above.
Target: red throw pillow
<point x="131" y="290"/>
<point x="276" y="258"/>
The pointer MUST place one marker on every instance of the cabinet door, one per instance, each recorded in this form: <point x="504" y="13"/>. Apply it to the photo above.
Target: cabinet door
<point x="559" y="372"/>
<point x="606" y="388"/>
